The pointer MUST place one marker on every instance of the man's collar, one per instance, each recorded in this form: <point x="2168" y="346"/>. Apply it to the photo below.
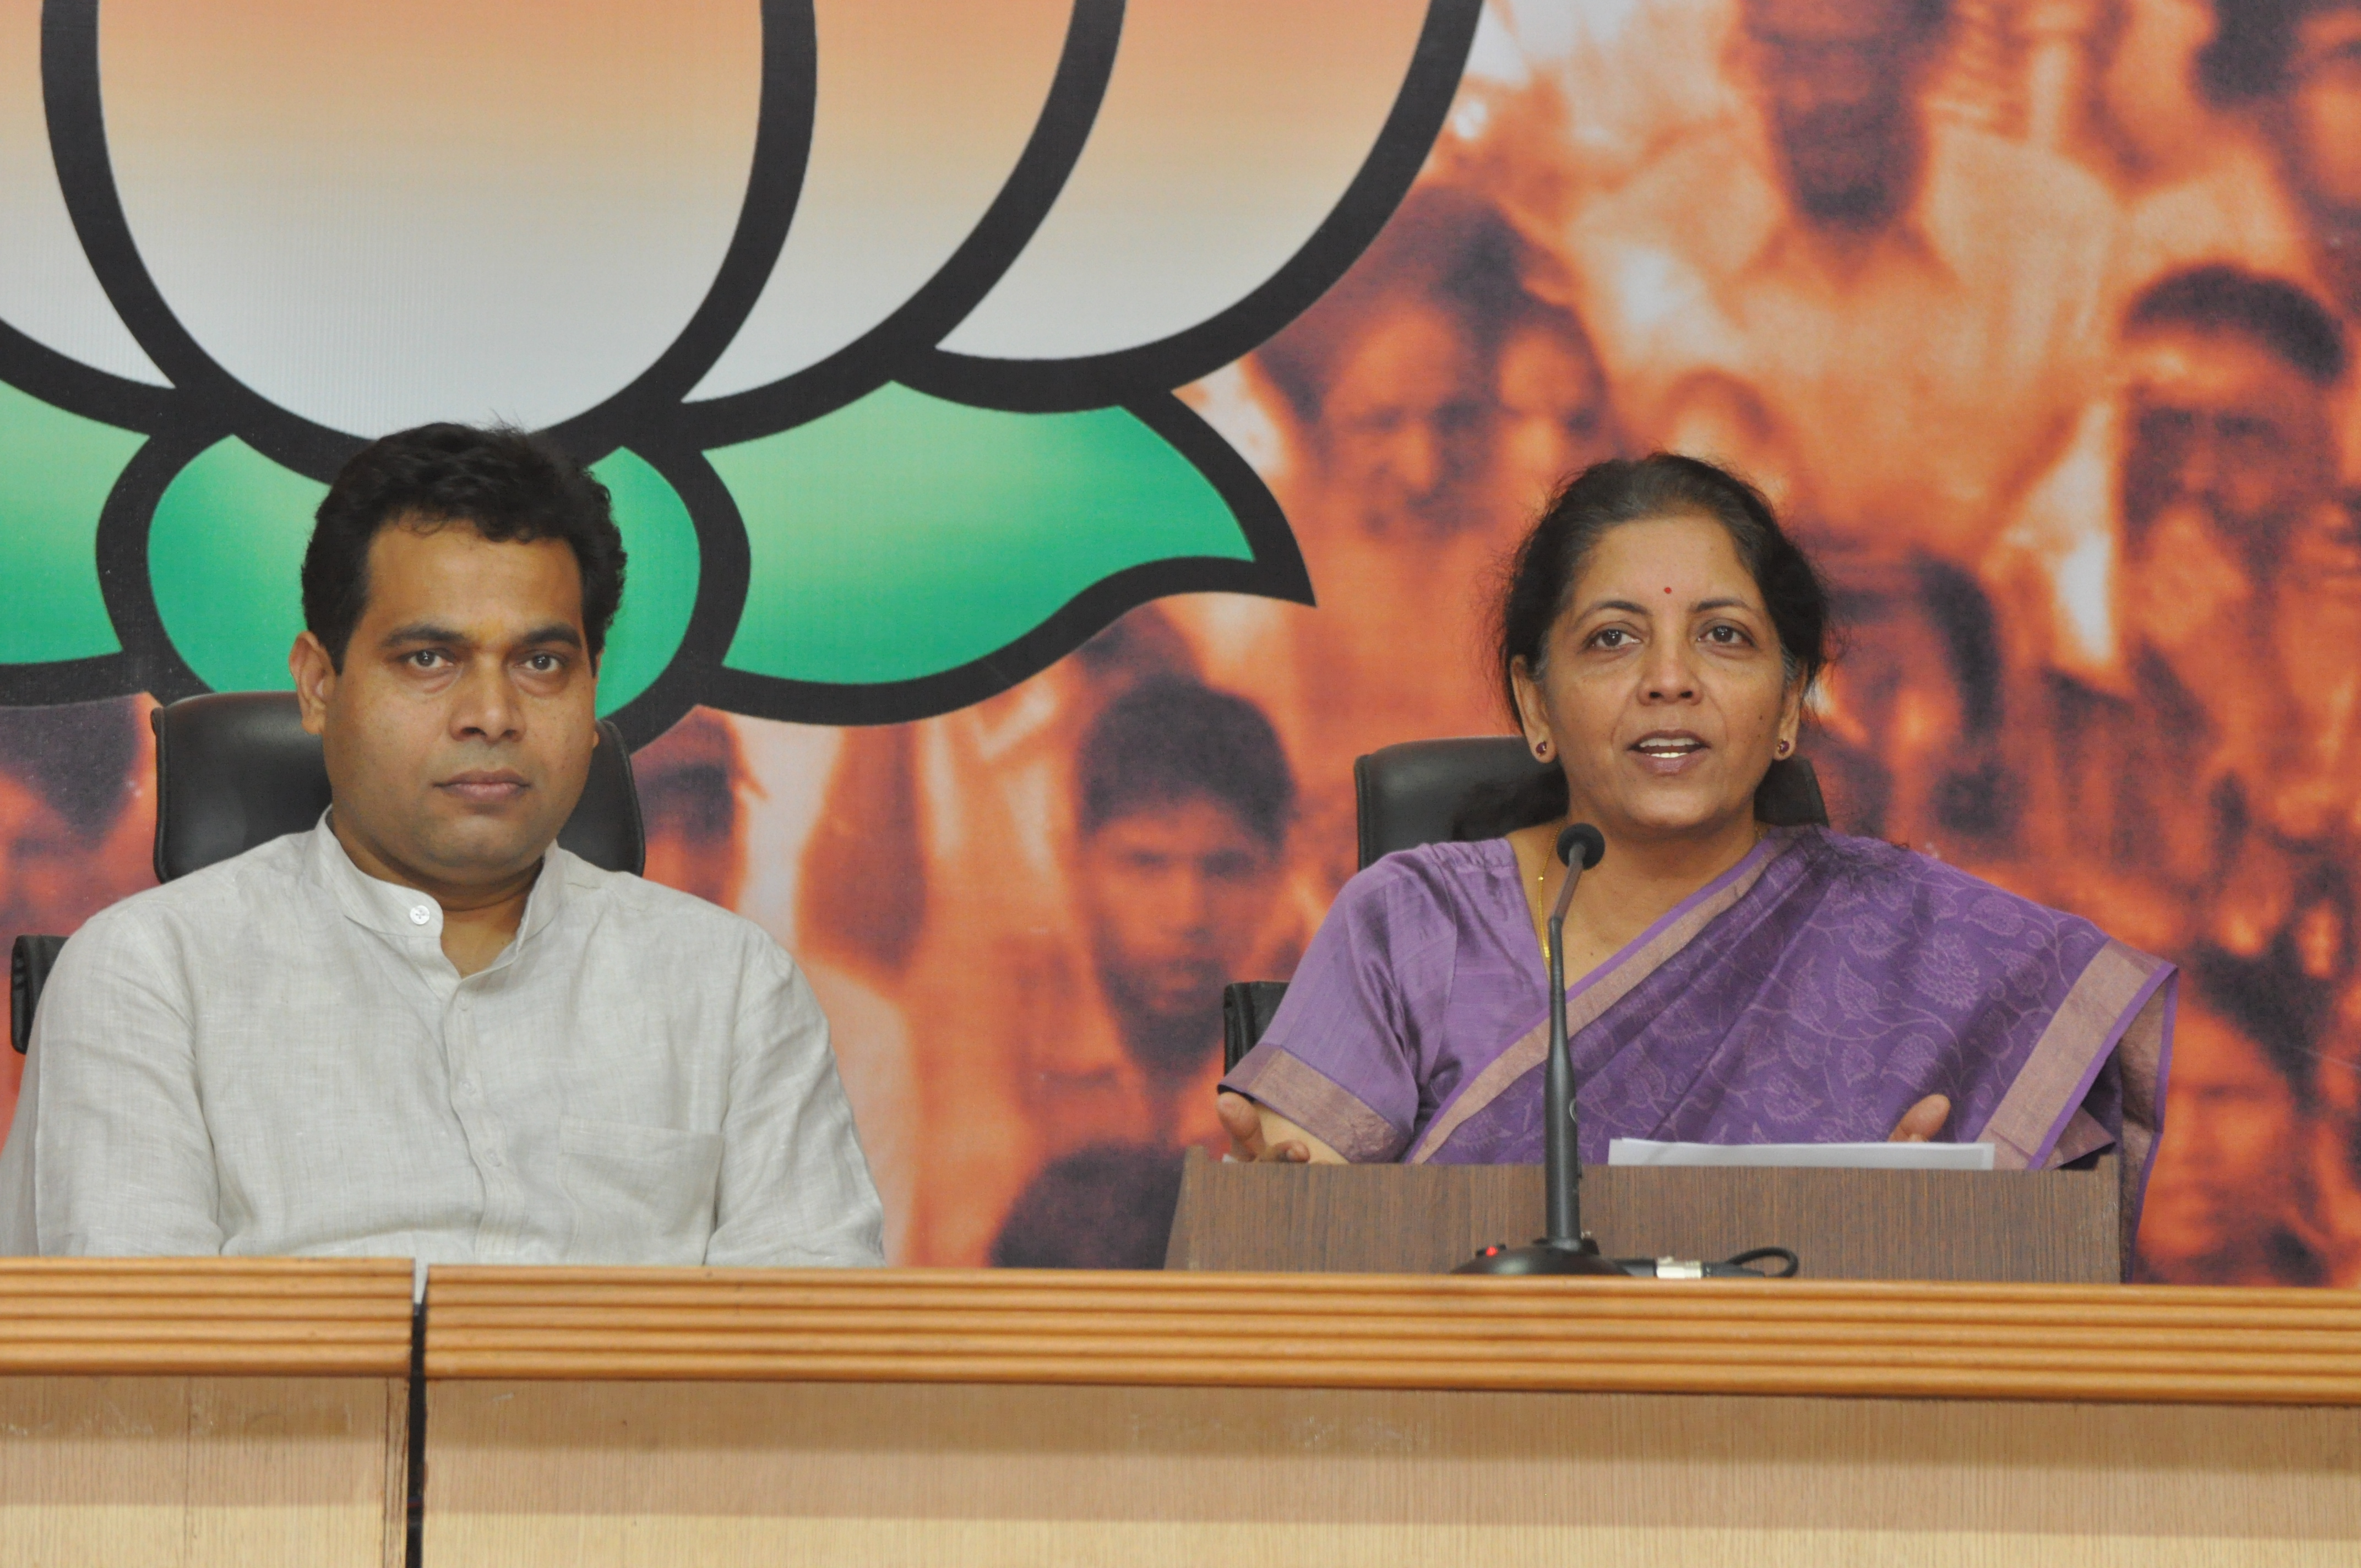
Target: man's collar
<point x="1792" y="240"/>
<point x="394" y="910"/>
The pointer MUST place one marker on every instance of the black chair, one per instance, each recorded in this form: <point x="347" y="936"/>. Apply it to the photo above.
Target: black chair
<point x="1413" y="794"/>
<point x="235" y="770"/>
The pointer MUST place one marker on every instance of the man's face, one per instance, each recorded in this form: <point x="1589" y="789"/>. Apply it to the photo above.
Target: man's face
<point x="1839" y="78"/>
<point x="2321" y="132"/>
<point x="1403" y="426"/>
<point x="2224" y="1171"/>
<point x="1553" y="414"/>
<point x="1175" y="894"/>
<point x="460" y="732"/>
<point x="2219" y="425"/>
<point x="692" y="833"/>
<point x="44" y="863"/>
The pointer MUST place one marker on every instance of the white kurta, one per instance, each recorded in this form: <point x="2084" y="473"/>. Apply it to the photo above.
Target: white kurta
<point x="273" y="1056"/>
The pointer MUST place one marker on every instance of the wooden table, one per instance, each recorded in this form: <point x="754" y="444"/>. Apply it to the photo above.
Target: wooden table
<point x="647" y="1417"/>
<point x="248" y="1413"/>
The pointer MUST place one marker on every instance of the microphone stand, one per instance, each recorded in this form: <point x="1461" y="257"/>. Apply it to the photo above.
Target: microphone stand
<point x="1565" y="1250"/>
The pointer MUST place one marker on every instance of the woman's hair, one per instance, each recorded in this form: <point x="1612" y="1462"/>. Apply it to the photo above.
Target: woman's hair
<point x="1541" y="576"/>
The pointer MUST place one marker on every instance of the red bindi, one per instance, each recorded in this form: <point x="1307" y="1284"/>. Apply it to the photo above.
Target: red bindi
<point x="1668" y="590"/>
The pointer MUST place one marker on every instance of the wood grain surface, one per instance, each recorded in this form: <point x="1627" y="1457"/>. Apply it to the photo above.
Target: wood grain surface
<point x="2053" y="1227"/>
<point x="1972" y="1342"/>
<point x="201" y="1472"/>
<point x="224" y="1316"/>
<point x="524" y="1473"/>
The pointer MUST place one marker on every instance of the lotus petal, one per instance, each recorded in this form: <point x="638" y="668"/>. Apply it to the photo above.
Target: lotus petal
<point x="46" y="289"/>
<point x="982" y="529"/>
<point x="922" y="109"/>
<point x="226" y="553"/>
<point x="1230" y="130"/>
<point x="659" y="583"/>
<point x="378" y="214"/>
<point x="225" y="560"/>
<point x="56" y="471"/>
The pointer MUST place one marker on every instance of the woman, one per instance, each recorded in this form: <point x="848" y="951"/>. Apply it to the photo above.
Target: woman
<point x="1738" y="983"/>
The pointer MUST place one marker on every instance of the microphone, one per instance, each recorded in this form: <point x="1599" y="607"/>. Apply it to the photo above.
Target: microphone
<point x="1564" y="1250"/>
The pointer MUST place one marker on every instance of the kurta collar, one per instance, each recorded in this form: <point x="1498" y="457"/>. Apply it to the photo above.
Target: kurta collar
<point x="393" y="910"/>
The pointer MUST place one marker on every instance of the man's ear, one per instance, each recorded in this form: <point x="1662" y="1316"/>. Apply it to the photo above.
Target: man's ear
<point x="315" y="680"/>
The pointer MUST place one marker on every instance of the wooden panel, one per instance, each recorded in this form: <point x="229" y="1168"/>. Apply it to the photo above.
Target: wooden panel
<point x="238" y="1471"/>
<point x="1983" y="1342"/>
<point x="255" y="1317"/>
<point x="530" y="1473"/>
<point x="2057" y="1227"/>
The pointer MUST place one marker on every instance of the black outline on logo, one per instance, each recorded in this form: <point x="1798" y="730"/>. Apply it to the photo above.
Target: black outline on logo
<point x="1060" y="131"/>
<point x="1058" y="385"/>
<point x="205" y="403"/>
<point x="1275" y="571"/>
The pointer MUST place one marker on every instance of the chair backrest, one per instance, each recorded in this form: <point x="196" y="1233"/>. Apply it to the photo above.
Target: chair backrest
<point x="235" y="770"/>
<point x="29" y="959"/>
<point x="1409" y="794"/>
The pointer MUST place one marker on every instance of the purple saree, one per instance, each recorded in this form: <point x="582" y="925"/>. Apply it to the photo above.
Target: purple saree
<point x="1812" y="994"/>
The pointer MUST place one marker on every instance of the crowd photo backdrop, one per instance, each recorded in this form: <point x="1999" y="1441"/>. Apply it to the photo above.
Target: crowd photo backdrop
<point x="1054" y="438"/>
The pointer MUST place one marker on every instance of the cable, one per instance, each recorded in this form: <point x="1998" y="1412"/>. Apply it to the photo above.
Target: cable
<point x="1728" y="1269"/>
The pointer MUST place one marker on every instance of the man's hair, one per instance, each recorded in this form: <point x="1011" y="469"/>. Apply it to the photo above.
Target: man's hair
<point x="689" y="776"/>
<point x="1168" y="739"/>
<point x="1443" y="248"/>
<point x="2275" y="314"/>
<point x="2247" y="58"/>
<point x="509" y="486"/>
<point x="77" y="758"/>
<point x="1108" y="1206"/>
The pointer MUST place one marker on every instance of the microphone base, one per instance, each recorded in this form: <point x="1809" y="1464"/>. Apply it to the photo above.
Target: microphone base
<point x="1542" y="1257"/>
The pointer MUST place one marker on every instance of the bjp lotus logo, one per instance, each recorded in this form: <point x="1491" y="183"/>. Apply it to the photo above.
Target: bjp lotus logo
<point x="870" y="311"/>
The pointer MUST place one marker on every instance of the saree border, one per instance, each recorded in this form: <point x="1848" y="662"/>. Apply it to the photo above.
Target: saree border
<point x="2104" y="1003"/>
<point x="1347" y="1124"/>
<point x="1589" y="998"/>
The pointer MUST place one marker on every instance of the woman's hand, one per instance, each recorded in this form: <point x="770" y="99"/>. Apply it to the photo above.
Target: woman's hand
<point x="1257" y="1133"/>
<point x="1919" y="1124"/>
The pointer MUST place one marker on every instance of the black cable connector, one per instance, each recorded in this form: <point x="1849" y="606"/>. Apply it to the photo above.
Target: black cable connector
<point x="1728" y="1269"/>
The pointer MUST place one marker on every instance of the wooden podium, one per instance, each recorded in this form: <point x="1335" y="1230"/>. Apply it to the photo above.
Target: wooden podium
<point x="2060" y="1227"/>
<point x="244" y="1413"/>
<point x="658" y="1417"/>
<point x="252" y="1414"/>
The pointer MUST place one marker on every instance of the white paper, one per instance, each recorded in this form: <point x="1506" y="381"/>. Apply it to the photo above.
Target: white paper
<point x="1839" y="1156"/>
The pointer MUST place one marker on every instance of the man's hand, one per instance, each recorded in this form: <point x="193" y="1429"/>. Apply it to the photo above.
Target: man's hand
<point x="1922" y="1121"/>
<point x="1260" y="1135"/>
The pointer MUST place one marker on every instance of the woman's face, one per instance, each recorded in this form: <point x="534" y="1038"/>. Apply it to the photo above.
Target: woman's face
<point x="1662" y="691"/>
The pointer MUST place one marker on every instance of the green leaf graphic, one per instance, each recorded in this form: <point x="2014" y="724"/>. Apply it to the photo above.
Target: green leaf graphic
<point x="56" y="470"/>
<point x="659" y="583"/>
<point x="902" y="536"/>
<point x="226" y="559"/>
<point x="225" y="552"/>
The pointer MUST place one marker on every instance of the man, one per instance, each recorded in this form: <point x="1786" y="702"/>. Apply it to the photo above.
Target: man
<point x="2226" y="449"/>
<point x="1183" y="803"/>
<point x="1914" y="301"/>
<point x="2298" y="64"/>
<point x="422" y="1029"/>
<point x="689" y="780"/>
<point x="2230" y="1203"/>
<point x="70" y="845"/>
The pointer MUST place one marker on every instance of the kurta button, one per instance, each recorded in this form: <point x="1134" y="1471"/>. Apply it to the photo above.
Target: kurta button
<point x="420" y="914"/>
